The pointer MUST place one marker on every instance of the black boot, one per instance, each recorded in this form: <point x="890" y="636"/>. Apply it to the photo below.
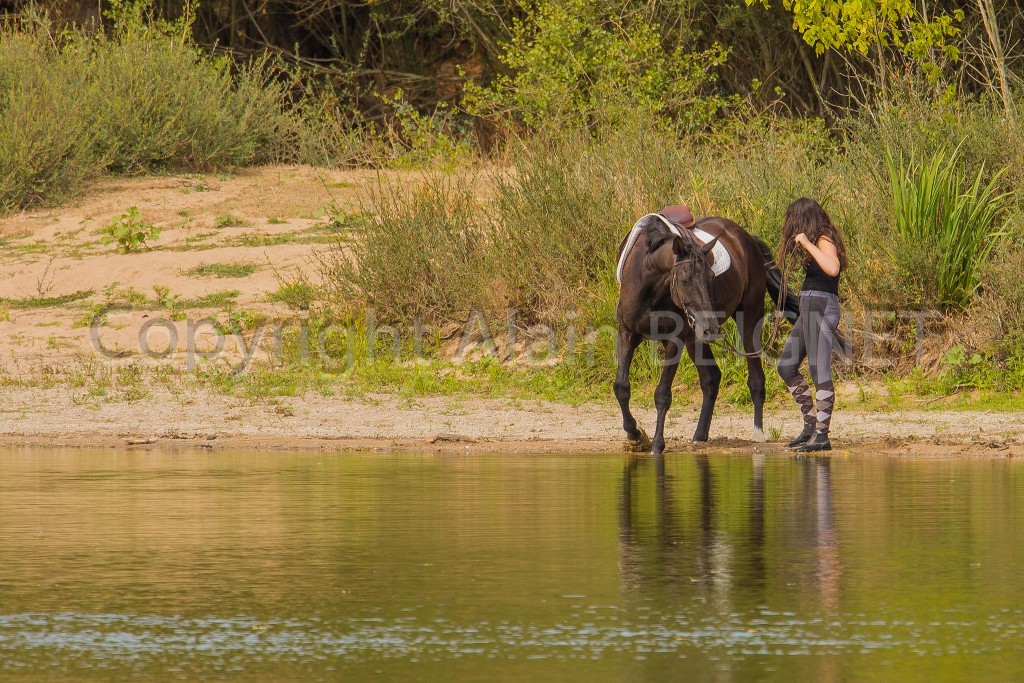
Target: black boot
<point x="818" y="442"/>
<point x="804" y="437"/>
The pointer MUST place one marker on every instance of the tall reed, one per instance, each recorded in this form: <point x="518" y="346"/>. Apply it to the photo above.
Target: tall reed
<point x="947" y="224"/>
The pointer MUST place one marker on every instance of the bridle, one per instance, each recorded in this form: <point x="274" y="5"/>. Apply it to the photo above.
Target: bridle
<point x="700" y="261"/>
<point x="696" y="256"/>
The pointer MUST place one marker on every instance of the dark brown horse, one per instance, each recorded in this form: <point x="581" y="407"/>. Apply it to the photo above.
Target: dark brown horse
<point x="670" y="294"/>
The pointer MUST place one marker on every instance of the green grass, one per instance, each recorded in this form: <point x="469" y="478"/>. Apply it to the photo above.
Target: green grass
<point x="258" y="239"/>
<point x="227" y="220"/>
<point x="299" y="295"/>
<point x="223" y="270"/>
<point x="46" y="301"/>
<point x="212" y="300"/>
<point x="199" y="237"/>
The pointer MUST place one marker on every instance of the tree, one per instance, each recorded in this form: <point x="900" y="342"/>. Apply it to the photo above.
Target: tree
<point x="862" y="25"/>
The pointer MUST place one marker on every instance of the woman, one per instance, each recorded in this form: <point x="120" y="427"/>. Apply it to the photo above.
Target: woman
<point x="809" y="233"/>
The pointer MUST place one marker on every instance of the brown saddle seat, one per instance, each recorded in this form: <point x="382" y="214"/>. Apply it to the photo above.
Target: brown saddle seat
<point x="679" y="214"/>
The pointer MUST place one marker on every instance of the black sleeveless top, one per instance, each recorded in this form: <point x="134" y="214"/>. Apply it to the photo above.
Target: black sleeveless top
<point x="817" y="280"/>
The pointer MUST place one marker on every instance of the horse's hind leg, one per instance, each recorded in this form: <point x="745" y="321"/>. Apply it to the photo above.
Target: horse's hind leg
<point x="663" y="394"/>
<point x="637" y="438"/>
<point x="750" y="328"/>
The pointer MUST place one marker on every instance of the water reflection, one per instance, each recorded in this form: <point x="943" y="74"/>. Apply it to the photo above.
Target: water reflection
<point x="708" y="568"/>
<point x="828" y="569"/>
<point x="676" y="536"/>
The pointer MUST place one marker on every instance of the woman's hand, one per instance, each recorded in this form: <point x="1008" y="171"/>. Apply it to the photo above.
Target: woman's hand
<point x="802" y="240"/>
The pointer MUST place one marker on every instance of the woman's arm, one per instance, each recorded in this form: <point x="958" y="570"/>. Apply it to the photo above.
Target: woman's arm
<point x="824" y="253"/>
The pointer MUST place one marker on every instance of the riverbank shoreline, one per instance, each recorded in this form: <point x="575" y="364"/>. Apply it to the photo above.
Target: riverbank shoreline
<point x="143" y="350"/>
<point x="56" y="418"/>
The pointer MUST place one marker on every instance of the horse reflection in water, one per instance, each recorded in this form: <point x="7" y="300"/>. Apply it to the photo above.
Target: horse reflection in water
<point x="690" y="546"/>
<point x="677" y="546"/>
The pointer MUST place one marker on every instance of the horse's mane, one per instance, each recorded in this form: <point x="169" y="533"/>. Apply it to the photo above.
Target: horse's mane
<point x="657" y="233"/>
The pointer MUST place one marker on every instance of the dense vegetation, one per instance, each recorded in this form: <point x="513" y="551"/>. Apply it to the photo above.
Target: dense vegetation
<point x="563" y="120"/>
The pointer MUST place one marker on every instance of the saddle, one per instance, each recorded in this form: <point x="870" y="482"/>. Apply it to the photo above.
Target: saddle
<point x="676" y="218"/>
<point x="679" y="215"/>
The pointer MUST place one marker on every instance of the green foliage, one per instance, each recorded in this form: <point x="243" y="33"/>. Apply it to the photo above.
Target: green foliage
<point x="946" y="224"/>
<point x="212" y="300"/>
<point x="226" y="220"/>
<point x="443" y="138"/>
<point x="240" y="321"/>
<point x="860" y="25"/>
<point x="129" y="231"/>
<point x="417" y="255"/>
<point x="45" y="301"/>
<point x="298" y="294"/>
<point x="571" y="61"/>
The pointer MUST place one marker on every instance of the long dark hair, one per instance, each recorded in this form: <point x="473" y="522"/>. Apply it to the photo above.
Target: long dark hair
<point x="806" y="216"/>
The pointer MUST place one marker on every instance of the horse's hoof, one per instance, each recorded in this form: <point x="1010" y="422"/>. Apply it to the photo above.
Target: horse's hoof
<point x="640" y="445"/>
<point x="700" y="439"/>
<point x="759" y="436"/>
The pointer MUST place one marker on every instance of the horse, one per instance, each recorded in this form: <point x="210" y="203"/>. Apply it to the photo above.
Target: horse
<point x="670" y="293"/>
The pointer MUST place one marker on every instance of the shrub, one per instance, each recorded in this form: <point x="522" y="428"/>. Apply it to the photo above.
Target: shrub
<point x="417" y="254"/>
<point x="75" y="104"/>
<point x="946" y="224"/>
<point x="576" y="61"/>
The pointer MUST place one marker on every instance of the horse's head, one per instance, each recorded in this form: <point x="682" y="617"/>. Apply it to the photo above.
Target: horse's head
<point x="690" y="285"/>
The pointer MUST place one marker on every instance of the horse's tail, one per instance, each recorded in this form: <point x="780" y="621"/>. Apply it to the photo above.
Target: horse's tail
<point x="773" y="277"/>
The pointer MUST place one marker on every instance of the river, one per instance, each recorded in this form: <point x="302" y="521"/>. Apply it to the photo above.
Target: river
<point x="166" y="565"/>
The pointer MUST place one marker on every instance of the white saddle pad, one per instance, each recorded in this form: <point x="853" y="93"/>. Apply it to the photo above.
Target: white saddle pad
<point x="722" y="259"/>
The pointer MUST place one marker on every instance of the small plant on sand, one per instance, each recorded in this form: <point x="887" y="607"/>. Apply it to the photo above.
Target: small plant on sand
<point x="296" y="292"/>
<point x="95" y="315"/>
<point x="226" y="220"/>
<point x="223" y="270"/>
<point x="129" y="231"/>
<point x="170" y="301"/>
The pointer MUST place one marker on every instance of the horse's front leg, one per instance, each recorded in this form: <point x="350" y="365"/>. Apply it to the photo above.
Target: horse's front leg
<point x="663" y="393"/>
<point x="710" y="379"/>
<point x="637" y="439"/>
<point x="750" y="335"/>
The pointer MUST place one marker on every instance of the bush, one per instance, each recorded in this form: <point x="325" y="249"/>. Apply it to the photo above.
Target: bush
<point x="577" y="62"/>
<point x="418" y="254"/>
<point x="48" y="134"/>
<point x="75" y="104"/>
<point x="543" y="243"/>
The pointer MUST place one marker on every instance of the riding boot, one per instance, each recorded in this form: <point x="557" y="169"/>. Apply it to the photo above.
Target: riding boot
<point x="804" y="436"/>
<point x="826" y="398"/>
<point x="801" y="393"/>
<point x="818" y="442"/>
